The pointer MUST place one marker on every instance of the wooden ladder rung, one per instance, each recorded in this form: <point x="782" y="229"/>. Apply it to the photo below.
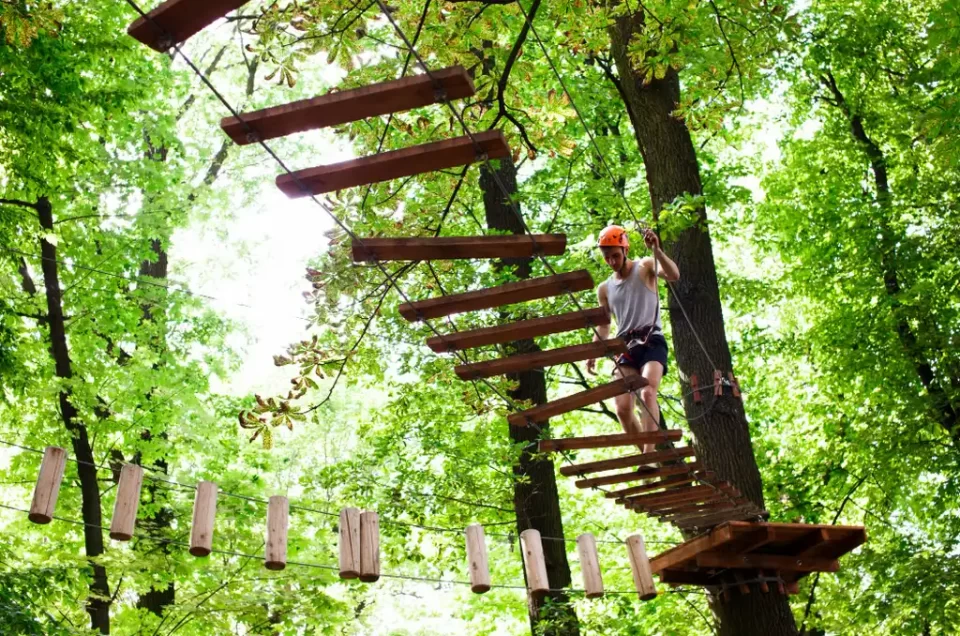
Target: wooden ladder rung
<point x="350" y="105"/>
<point x="637" y="475"/>
<point x="395" y="164"/>
<point x="175" y="21"/>
<point x="609" y="441"/>
<point x="540" y="359"/>
<point x="685" y="494"/>
<point x="670" y="482"/>
<point x="458" y="247"/>
<point x="520" y="330"/>
<point x="578" y="400"/>
<point x="518" y="292"/>
<point x="626" y="462"/>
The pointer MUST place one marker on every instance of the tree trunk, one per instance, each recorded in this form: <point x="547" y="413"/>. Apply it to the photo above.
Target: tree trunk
<point x="723" y="437"/>
<point x="98" y="603"/>
<point x="535" y="498"/>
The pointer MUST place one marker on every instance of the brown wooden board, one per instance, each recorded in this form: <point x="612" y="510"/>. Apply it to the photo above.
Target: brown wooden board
<point x="520" y="330"/>
<point x="714" y="503"/>
<point x="458" y="247"/>
<point x="672" y="497"/>
<point x="637" y="475"/>
<point x="669" y="482"/>
<point x="769" y="561"/>
<point x="394" y="164"/>
<point x="175" y="21"/>
<point x="609" y="441"/>
<point x="342" y="107"/>
<point x="748" y="511"/>
<point x="627" y="461"/>
<point x="578" y="400"/>
<point x="518" y="292"/>
<point x="540" y="359"/>
<point x="677" y="557"/>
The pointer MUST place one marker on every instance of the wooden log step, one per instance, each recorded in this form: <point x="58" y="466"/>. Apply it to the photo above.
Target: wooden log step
<point x="625" y="462"/>
<point x="540" y="359"/>
<point x="609" y="441"/>
<point x="394" y="164"/>
<point x="350" y="105"/>
<point x="520" y="330"/>
<point x="458" y="247"/>
<point x="578" y="400"/>
<point x="175" y="21"/>
<point x="637" y="475"/>
<point x="518" y="292"/>
<point x="670" y="482"/>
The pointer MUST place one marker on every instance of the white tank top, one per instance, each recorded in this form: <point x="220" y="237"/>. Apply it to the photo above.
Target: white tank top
<point x="633" y="304"/>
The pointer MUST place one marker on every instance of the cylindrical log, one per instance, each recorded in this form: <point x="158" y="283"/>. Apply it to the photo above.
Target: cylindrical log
<point x="278" y="518"/>
<point x="349" y="543"/>
<point x="48" y="485"/>
<point x="204" y="513"/>
<point x="128" y="499"/>
<point x="477" y="559"/>
<point x="640" y="564"/>
<point x="369" y="546"/>
<point x="590" y="565"/>
<point x="532" y="546"/>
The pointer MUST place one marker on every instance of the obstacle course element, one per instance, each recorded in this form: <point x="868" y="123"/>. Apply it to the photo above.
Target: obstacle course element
<point x="523" y="329"/>
<point x="128" y="500"/>
<point x="175" y="21"/>
<point x="47" y="490"/>
<point x="477" y="559"/>
<point x="204" y="514"/>
<point x="457" y="247"/>
<point x="540" y="359"/>
<point x="590" y="565"/>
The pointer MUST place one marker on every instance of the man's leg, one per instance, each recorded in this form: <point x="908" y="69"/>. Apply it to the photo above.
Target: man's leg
<point x="649" y="409"/>
<point x="626" y="404"/>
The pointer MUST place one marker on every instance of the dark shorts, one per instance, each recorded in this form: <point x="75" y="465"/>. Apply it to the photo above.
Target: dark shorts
<point x="655" y="350"/>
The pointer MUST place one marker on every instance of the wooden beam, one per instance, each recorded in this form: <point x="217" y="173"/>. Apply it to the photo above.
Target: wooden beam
<point x="705" y="521"/>
<point x="540" y="359"/>
<point x="394" y="164"/>
<point x="609" y="441"/>
<point x="687" y="577"/>
<point x="342" y="107"/>
<point x="625" y="462"/>
<point x="508" y="294"/>
<point x="520" y="330"/>
<point x="637" y="475"/>
<point x="458" y="247"/>
<point x="720" y="559"/>
<point x="578" y="400"/>
<point x="807" y="545"/>
<point x="671" y="482"/>
<point x="681" y="495"/>
<point x="678" y="556"/>
<point x="709" y="503"/>
<point x="175" y="21"/>
<point x="750" y="540"/>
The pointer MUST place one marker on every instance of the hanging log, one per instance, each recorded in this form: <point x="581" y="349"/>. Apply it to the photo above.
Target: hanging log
<point x="48" y="485"/>
<point x="520" y="330"/>
<point x="640" y="565"/>
<point x="508" y="294"/>
<point x="175" y="21"/>
<point x="477" y="559"/>
<point x="590" y="565"/>
<point x="395" y="164"/>
<point x="539" y="359"/>
<point x="204" y="513"/>
<point x="532" y="546"/>
<point x="341" y="107"/>
<point x="369" y="546"/>
<point x="458" y="247"/>
<point x="278" y="519"/>
<point x="578" y="400"/>
<point x="128" y="500"/>
<point x="609" y="441"/>
<point x="349" y="543"/>
<point x="627" y="461"/>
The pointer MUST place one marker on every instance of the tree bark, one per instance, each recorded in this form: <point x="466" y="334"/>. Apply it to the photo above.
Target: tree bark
<point x="722" y="434"/>
<point x="535" y="498"/>
<point x="98" y="603"/>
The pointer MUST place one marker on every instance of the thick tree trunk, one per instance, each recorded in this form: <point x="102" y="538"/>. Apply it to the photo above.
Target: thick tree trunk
<point x="722" y="435"/>
<point x="535" y="498"/>
<point x="98" y="603"/>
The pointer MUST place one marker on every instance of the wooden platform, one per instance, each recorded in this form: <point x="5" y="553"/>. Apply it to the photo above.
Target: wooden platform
<point x="351" y="105"/>
<point x="458" y="247"/>
<point x="520" y="330"/>
<point x="609" y="441"/>
<point x="491" y="297"/>
<point x="578" y="400"/>
<point x="739" y="549"/>
<point x="395" y="164"/>
<point x="540" y="359"/>
<point x="177" y="20"/>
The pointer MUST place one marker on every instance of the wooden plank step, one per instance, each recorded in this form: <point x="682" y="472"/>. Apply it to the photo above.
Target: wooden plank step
<point x="458" y="247"/>
<point x="175" y="21"/>
<point x="707" y="520"/>
<point x="520" y="330"/>
<point x="670" y="482"/>
<point x="540" y="359"/>
<point x="518" y="292"/>
<point x="350" y="105"/>
<point x="609" y="441"/>
<point x="394" y="164"/>
<point x="715" y="503"/>
<point x="578" y="400"/>
<point x="625" y="462"/>
<point x="673" y="496"/>
<point x="637" y="475"/>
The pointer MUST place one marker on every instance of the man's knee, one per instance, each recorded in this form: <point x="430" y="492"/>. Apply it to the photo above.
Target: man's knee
<point x="648" y="394"/>
<point x="624" y="410"/>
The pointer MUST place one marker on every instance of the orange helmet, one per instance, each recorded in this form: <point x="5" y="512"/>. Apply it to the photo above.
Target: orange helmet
<point x="613" y="236"/>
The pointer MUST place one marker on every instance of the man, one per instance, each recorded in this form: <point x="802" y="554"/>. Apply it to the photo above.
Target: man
<point x="630" y="295"/>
